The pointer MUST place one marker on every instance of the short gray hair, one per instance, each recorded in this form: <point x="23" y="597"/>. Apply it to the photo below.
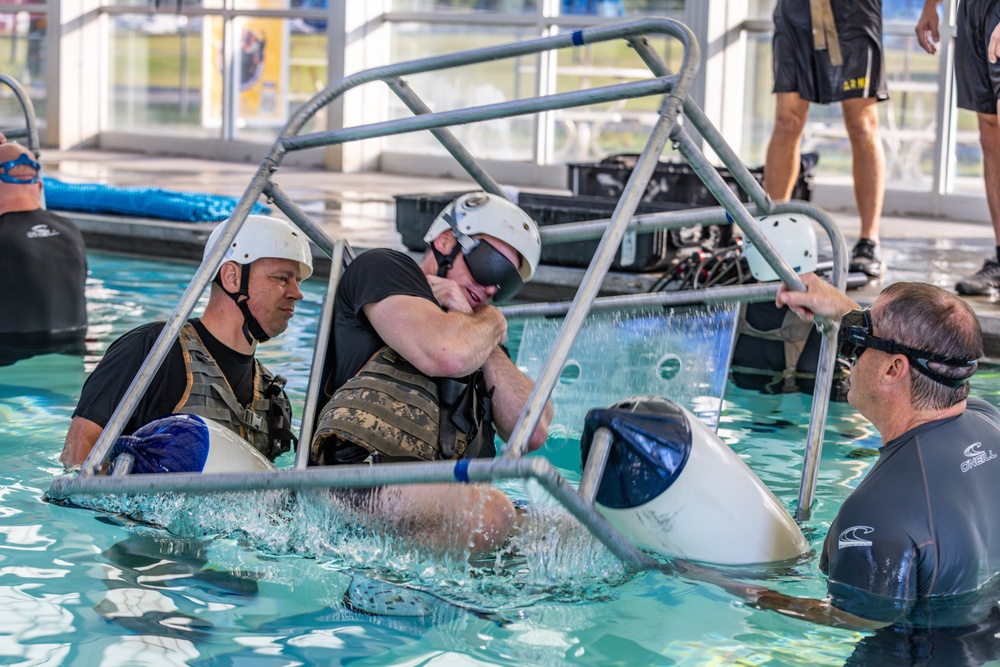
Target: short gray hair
<point x="926" y="317"/>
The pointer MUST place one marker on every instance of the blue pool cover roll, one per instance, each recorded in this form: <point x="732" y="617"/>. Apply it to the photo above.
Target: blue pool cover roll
<point x="141" y="202"/>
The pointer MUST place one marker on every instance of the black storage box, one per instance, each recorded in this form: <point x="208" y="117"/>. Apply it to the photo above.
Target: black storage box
<point x="648" y="251"/>
<point x="671" y="181"/>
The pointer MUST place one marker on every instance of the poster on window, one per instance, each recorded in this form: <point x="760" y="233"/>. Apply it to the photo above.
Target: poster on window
<point x="259" y="65"/>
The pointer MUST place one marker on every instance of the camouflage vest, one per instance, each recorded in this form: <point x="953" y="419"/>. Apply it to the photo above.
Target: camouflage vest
<point x="209" y="395"/>
<point x="393" y="410"/>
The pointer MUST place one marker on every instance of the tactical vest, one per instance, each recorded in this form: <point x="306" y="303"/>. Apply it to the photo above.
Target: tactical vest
<point x="265" y="423"/>
<point x="793" y="333"/>
<point x="396" y="412"/>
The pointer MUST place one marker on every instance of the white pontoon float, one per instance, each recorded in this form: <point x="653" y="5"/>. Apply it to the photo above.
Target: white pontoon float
<point x="668" y="128"/>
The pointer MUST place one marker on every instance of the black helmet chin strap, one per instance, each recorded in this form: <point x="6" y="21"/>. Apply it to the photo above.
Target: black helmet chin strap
<point x="251" y="327"/>
<point x="445" y="262"/>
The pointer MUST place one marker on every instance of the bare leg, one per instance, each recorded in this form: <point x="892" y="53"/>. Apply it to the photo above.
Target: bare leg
<point x="449" y="518"/>
<point x="861" y="119"/>
<point x="989" y="139"/>
<point x="781" y="166"/>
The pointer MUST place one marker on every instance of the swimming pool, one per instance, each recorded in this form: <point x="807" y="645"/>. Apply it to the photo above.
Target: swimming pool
<point x="257" y="580"/>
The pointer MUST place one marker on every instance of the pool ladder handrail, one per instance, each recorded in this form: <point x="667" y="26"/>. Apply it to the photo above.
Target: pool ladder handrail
<point x="512" y="464"/>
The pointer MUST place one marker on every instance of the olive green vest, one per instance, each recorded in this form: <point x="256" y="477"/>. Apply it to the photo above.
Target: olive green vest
<point x="393" y="410"/>
<point x="209" y="395"/>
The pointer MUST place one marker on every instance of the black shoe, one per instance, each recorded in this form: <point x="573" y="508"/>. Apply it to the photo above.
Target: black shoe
<point x="984" y="281"/>
<point x="866" y="258"/>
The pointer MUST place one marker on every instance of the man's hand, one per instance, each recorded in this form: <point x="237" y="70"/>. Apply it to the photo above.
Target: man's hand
<point x="927" y="28"/>
<point x="449" y="295"/>
<point x="993" y="50"/>
<point x="820" y="298"/>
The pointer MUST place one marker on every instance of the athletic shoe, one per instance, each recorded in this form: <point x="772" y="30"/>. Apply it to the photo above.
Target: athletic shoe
<point x="984" y="281"/>
<point x="866" y="258"/>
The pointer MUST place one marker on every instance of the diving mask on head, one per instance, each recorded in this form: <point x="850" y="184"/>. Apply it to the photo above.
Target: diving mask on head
<point x="22" y="159"/>
<point x="490" y="268"/>
<point x="855" y="336"/>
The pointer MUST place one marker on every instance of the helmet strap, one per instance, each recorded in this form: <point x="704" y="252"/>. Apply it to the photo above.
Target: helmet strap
<point x="251" y="327"/>
<point x="445" y="262"/>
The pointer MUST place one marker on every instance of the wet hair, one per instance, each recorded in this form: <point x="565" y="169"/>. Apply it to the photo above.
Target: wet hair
<point x="926" y="317"/>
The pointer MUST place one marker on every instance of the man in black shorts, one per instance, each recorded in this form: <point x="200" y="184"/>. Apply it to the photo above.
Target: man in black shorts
<point x="420" y="372"/>
<point x="977" y="78"/>
<point x="918" y="541"/>
<point x="211" y="370"/>
<point x="831" y="51"/>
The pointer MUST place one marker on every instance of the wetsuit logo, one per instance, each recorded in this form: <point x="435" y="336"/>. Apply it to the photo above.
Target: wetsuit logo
<point x="852" y="537"/>
<point x="976" y="457"/>
<point x="41" y="232"/>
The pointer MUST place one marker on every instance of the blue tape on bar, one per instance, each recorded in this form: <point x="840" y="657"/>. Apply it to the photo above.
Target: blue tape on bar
<point x="462" y="470"/>
<point x="577" y="38"/>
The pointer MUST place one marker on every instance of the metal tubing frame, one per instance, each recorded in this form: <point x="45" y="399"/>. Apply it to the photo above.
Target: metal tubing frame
<point x="512" y="464"/>
<point x="30" y="130"/>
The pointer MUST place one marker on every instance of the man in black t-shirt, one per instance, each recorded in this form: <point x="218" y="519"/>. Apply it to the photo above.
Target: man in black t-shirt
<point x="831" y="51"/>
<point x="977" y="84"/>
<point x="211" y="371"/>
<point x="43" y="266"/>
<point x="437" y="317"/>
<point x="917" y="542"/>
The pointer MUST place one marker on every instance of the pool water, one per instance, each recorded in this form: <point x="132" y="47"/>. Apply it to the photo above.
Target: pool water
<point x="266" y="579"/>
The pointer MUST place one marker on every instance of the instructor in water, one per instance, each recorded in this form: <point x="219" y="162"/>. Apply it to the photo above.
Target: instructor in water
<point x="922" y="528"/>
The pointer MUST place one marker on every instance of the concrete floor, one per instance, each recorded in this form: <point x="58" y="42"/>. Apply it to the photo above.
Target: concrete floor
<point x="361" y="208"/>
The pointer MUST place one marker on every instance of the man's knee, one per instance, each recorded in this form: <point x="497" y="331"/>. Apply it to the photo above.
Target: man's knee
<point x="861" y="122"/>
<point x="989" y="131"/>
<point x="790" y="122"/>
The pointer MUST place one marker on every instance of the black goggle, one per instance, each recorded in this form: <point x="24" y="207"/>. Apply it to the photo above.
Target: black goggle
<point x="855" y="336"/>
<point x="23" y="159"/>
<point x="490" y="268"/>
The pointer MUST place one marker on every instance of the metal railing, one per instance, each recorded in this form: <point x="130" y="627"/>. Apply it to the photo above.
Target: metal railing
<point x="675" y="88"/>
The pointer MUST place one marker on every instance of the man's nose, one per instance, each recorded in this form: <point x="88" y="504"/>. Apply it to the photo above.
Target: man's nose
<point x="296" y="292"/>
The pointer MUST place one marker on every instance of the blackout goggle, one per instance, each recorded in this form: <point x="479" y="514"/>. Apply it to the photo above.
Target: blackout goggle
<point x="490" y="268"/>
<point x="23" y="159"/>
<point x="855" y="336"/>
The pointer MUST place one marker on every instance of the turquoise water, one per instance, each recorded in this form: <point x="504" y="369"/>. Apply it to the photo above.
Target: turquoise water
<point x="261" y="580"/>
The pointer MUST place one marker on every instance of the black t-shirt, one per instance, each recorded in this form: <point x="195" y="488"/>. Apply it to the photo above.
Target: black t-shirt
<point x="370" y="278"/>
<point x="922" y="529"/>
<point x="43" y="270"/>
<point x="104" y="389"/>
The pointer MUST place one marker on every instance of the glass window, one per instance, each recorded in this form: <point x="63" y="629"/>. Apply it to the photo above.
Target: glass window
<point x="505" y="6"/>
<point x="173" y="7"/>
<point x="22" y="57"/>
<point x="908" y="120"/>
<point x="967" y="167"/>
<point x="623" y="126"/>
<point x="487" y="83"/>
<point x="758" y="118"/>
<point x="157" y="75"/>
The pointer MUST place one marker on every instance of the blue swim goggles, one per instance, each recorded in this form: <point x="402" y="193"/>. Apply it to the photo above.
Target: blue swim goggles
<point x="855" y="336"/>
<point x="5" y="168"/>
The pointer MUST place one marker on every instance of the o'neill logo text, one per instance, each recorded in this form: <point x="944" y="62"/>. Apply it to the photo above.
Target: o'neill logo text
<point x="41" y="232"/>
<point x="852" y="537"/>
<point x="976" y="457"/>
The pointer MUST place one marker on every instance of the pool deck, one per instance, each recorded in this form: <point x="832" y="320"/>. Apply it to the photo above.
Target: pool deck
<point x="360" y="207"/>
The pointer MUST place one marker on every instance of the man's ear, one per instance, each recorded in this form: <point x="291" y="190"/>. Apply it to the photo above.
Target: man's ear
<point x="229" y="275"/>
<point x="896" y="369"/>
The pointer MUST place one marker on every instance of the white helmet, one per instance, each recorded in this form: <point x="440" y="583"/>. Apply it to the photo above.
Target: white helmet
<point x="484" y="213"/>
<point x="264" y="236"/>
<point x="793" y="236"/>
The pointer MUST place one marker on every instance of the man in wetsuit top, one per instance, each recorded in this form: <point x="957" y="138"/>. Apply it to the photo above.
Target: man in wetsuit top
<point x="420" y="372"/>
<point x="977" y="84"/>
<point x="43" y="266"/>
<point x="922" y="529"/>
<point x="211" y="370"/>
<point x="831" y="51"/>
